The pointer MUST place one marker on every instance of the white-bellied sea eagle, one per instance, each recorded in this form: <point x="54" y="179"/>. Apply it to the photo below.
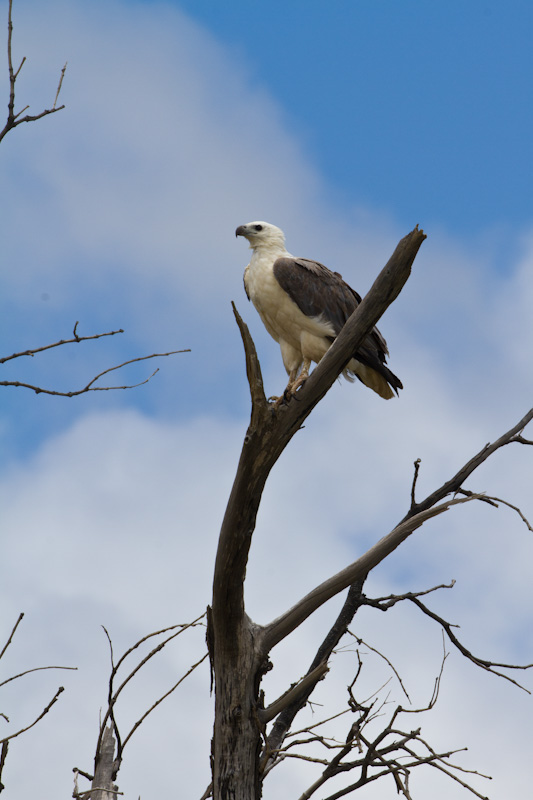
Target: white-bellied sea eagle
<point x="303" y="306"/>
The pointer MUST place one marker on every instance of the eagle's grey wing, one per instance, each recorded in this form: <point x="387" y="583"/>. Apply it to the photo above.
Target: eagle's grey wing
<point x="319" y="292"/>
<point x="316" y="290"/>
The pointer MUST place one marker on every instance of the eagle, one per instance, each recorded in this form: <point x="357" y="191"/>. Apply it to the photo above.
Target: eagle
<point x="303" y="306"/>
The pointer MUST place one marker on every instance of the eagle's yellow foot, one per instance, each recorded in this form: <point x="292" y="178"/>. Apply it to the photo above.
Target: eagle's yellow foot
<point x="283" y="400"/>
<point x="299" y="382"/>
<point x="292" y="386"/>
<point x="275" y="403"/>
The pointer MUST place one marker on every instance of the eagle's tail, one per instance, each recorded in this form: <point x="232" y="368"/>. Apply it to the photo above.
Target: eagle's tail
<point x="383" y="382"/>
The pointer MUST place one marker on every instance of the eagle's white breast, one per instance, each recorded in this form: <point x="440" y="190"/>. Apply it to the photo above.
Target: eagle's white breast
<point x="299" y="336"/>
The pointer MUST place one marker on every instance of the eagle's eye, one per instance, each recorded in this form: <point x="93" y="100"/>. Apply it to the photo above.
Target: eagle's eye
<point x="258" y="227"/>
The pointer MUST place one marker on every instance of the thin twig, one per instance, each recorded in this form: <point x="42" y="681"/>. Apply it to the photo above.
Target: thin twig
<point x="59" y="85"/>
<point x="15" y="119"/>
<point x="163" y="697"/>
<point x="415" y="478"/>
<point x="15" y="626"/>
<point x="41" y="715"/>
<point x="75" y="339"/>
<point x="495" y="501"/>
<point x="480" y="662"/>
<point x="34" y="669"/>
<point x="3" y="755"/>
<point x="384" y="657"/>
<point x="384" y="603"/>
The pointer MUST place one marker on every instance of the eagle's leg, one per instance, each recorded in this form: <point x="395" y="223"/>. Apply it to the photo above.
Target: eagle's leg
<point x="302" y="377"/>
<point x="289" y="389"/>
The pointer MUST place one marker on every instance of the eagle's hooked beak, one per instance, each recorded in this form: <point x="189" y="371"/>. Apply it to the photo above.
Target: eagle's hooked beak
<point x="241" y="230"/>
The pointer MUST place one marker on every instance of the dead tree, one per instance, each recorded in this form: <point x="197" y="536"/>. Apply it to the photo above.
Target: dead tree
<point x="111" y="742"/>
<point x="243" y="749"/>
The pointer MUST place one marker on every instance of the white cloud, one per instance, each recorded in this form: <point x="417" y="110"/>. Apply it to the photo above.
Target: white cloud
<point x="119" y="528"/>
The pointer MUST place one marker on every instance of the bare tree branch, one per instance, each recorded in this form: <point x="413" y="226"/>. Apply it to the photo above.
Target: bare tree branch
<point x="392" y="752"/>
<point x="15" y="119"/>
<point x="3" y="755"/>
<point x="6" y="739"/>
<point x="41" y="715"/>
<point x="384" y="603"/>
<point x="454" y="484"/>
<point x="415" y="517"/>
<point x="294" y="694"/>
<point x="163" y="697"/>
<point x="384" y="657"/>
<point x="34" y="669"/>
<point x="337" y="631"/>
<point x="90" y="387"/>
<point x="415" y="478"/>
<point x="479" y="662"/>
<point x="291" y="619"/>
<point x="76" y="338"/>
<point x="495" y="501"/>
<point x="10" y="639"/>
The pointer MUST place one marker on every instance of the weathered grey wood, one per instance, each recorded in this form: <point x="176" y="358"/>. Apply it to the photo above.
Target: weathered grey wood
<point x="102" y="787"/>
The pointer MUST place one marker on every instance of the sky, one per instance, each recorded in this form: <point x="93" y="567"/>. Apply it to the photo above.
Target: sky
<point x="346" y="126"/>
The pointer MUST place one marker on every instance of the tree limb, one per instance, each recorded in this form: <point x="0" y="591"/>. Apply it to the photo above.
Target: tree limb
<point x="37" y="719"/>
<point x="10" y="639"/>
<point x="278" y="629"/>
<point x="454" y="484"/>
<point x="90" y="387"/>
<point x="286" y="623"/>
<point x="479" y="662"/>
<point x="15" y="119"/>
<point x="75" y="338"/>
<point x="294" y="694"/>
<point x="336" y="632"/>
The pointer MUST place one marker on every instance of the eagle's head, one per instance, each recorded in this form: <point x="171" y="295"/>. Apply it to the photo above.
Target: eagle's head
<point x="262" y="234"/>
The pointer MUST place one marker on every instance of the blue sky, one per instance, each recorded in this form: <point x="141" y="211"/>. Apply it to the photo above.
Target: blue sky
<point x="345" y="125"/>
<point x="418" y="109"/>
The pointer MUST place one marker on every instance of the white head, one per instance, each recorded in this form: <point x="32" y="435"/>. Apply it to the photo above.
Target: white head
<point x="262" y="235"/>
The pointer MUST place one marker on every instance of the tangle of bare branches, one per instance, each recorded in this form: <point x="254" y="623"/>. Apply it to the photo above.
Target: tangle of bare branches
<point x="393" y="752"/>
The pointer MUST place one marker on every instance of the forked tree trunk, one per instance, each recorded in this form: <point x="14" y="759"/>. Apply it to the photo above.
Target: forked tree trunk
<point x="237" y="739"/>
